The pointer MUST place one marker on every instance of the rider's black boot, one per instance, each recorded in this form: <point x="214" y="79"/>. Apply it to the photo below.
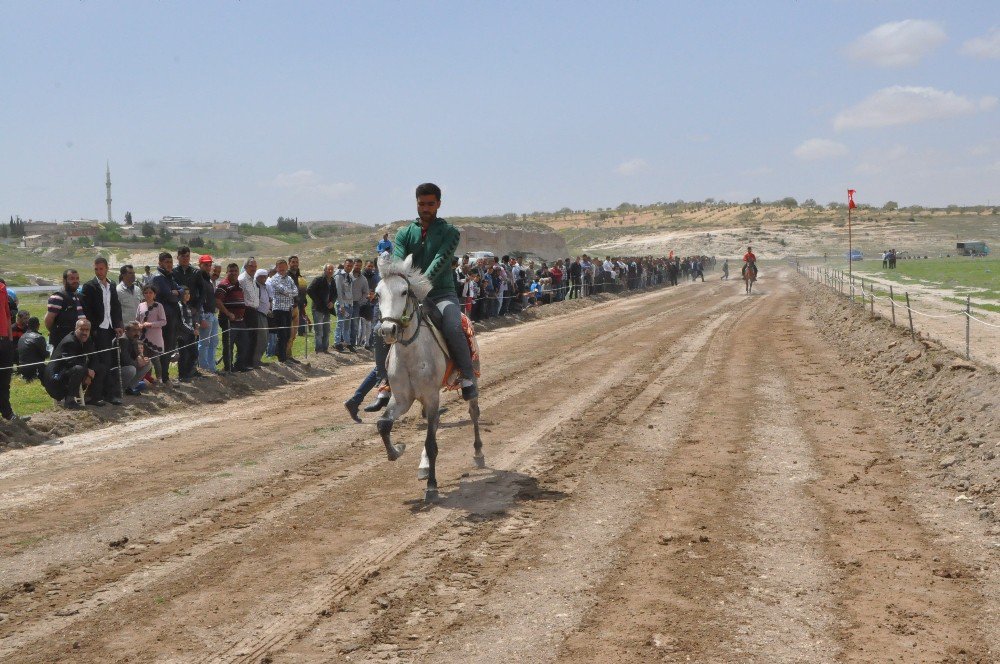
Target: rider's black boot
<point x="381" y="401"/>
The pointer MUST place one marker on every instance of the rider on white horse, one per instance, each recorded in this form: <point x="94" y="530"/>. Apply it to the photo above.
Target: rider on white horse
<point x="432" y="242"/>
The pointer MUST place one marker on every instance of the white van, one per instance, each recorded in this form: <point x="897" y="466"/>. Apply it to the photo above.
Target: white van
<point x="476" y="255"/>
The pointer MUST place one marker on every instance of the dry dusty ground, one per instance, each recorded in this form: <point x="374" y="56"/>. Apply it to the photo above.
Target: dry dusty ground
<point x="689" y="474"/>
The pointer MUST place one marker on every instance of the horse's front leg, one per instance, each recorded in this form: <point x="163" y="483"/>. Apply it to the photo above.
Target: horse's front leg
<point x="430" y="446"/>
<point x="399" y="403"/>
<point x="477" y="446"/>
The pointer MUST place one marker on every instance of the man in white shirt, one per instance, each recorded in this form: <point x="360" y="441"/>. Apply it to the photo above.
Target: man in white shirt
<point x="129" y="294"/>
<point x="345" y="304"/>
<point x="251" y="317"/>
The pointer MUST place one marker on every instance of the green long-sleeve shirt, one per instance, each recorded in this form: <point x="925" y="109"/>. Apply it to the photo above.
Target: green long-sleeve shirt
<point x="432" y="254"/>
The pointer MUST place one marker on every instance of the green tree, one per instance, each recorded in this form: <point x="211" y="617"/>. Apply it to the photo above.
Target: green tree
<point x="148" y="229"/>
<point x="890" y="206"/>
<point x="788" y="201"/>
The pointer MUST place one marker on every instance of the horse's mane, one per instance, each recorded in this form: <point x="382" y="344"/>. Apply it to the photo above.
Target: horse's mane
<point x="419" y="284"/>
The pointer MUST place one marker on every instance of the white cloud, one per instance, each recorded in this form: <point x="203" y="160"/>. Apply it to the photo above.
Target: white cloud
<point x="819" y="148"/>
<point x="899" y="105"/>
<point x="899" y="44"/>
<point x="880" y="161"/>
<point x="631" y="167"/>
<point x="987" y="47"/>
<point x="306" y="182"/>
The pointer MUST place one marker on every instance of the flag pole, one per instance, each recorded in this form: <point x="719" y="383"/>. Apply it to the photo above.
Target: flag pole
<point x="850" y="247"/>
<point x="850" y="240"/>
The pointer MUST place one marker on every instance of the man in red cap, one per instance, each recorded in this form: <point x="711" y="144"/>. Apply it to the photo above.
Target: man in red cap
<point x="208" y="337"/>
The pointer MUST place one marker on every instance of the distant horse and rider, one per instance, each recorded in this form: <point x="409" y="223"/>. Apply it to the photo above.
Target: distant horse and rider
<point x="749" y="269"/>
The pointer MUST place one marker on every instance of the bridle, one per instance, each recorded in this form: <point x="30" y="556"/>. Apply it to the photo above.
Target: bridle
<point x="407" y="317"/>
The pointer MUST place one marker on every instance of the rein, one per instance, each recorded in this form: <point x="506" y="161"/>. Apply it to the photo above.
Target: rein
<point x="406" y="318"/>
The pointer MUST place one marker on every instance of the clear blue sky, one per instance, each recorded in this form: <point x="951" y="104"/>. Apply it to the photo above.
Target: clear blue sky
<point x="249" y="110"/>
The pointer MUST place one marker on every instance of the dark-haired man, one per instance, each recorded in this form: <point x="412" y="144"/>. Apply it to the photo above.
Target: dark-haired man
<point x="232" y="307"/>
<point x="188" y="277"/>
<point x="64" y="308"/>
<point x="432" y="242"/>
<point x="323" y="293"/>
<point x="100" y="304"/>
<point x="129" y="295"/>
<point x="168" y="294"/>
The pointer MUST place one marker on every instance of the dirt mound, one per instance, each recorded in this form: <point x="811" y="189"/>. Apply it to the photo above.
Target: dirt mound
<point x="944" y="406"/>
<point x="50" y="425"/>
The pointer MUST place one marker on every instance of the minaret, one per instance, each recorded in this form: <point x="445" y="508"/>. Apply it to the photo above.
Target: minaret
<point x="108" y="183"/>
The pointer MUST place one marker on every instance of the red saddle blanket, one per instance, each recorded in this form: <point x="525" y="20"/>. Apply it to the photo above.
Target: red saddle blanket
<point x="452" y="377"/>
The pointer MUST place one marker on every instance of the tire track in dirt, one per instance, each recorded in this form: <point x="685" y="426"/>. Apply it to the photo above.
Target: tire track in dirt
<point x="904" y="591"/>
<point x="787" y="612"/>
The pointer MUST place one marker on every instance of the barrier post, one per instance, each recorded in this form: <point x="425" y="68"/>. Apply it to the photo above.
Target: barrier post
<point x="909" y="311"/>
<point x="121" y="381"/>
<point x="871" y="293"/>
<point x="968" y="325"/>
<point x="307" y="342"/>
<point x="892" y="303"/>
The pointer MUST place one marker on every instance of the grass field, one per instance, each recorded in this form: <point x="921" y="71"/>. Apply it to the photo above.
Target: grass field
<point x="978" y="277"/>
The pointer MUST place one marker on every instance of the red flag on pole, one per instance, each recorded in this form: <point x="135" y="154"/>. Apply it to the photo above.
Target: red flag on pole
<point x="850" y="199"/>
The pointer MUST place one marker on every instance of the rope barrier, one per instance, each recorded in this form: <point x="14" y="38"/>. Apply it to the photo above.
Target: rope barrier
<point x="330" y="323"/>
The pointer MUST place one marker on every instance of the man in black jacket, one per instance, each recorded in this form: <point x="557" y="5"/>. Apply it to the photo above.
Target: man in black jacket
<point x="31" y="350"/>
<point x="101" y="306"/>
<point x="168" y="294"/>
<point x="323" y="292"/>
<point x="71" y="367"/>
<point x="189" y="278"/>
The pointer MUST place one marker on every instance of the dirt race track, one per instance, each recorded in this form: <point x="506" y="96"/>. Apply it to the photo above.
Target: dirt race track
<point x="689" y="474"/>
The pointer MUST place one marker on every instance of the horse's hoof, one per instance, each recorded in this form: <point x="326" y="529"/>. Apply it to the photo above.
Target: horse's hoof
<point x="431" y="495"/>
<point x="480" y="461"/>
<point x="423" y="473"/>
<point x="397" y="451"/>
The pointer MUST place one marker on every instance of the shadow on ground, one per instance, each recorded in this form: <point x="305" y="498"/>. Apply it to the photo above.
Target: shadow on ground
<point x="489" y="495"/>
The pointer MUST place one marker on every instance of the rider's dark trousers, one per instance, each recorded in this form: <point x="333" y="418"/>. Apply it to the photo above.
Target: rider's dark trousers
<point x="450" y="320"/>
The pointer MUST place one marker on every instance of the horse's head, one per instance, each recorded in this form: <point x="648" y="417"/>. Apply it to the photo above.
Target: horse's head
<point x="400" y="290"/>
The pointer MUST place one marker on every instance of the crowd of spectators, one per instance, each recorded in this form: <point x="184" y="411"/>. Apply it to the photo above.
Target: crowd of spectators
<point x="109" y="340"/>
<point x="496" y="286"/>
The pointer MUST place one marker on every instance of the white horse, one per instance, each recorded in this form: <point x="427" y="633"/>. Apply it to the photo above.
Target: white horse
<point x="416" y="363"/>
